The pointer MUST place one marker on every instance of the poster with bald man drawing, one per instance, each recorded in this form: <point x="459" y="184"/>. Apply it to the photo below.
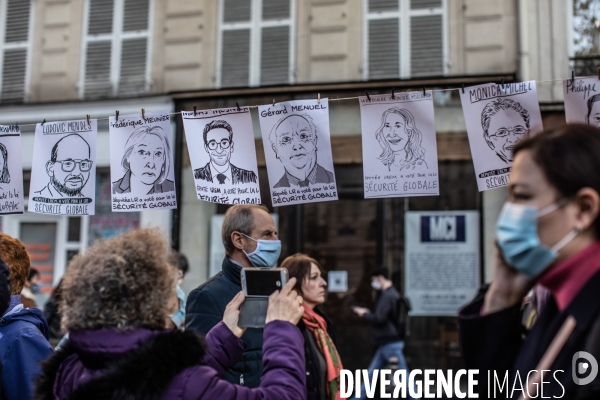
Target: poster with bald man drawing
<point x="298" y="151"/>
<point x="399" y="147"/>
<point x="11" y="170"/>
<point x="141" y="162"/>
<point x="223" y="155"/>
<point x="582" y="101"/>
<point x="498" y="116"/>
<point x="63" y="172"/>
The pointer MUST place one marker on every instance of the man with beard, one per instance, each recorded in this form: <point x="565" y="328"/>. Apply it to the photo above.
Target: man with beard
<point x="505" y="123"/>
<point x="294" y="141"/>
<point x="218" y="143"/>
<point x="69" y="168"/>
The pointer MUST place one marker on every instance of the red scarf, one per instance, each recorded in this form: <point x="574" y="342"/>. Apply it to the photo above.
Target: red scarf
<point x="317" y="325"/>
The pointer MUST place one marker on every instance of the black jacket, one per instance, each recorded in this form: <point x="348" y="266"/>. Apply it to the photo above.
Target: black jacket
<point x="495" y="342"/>
<point x="385" y="319"/>
<point x="5" y="289"/>
<point x="314" y="375"/>
<point x="205" y="308"/>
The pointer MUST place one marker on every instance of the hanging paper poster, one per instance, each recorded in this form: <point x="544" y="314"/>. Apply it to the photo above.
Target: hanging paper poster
<point x="498" y="117"/>
<point x="298" y="151"/>
<point x="141" y="162"/>
<point x="223" y="155"/>
<point x="582" y="101"/>
<point x="63" y="172"/>
<point x="11" y="170"/>
<point x="399" y="147"/>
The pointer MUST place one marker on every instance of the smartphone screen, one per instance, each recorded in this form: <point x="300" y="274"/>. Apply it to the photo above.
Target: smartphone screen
<point x="263" y="283"/>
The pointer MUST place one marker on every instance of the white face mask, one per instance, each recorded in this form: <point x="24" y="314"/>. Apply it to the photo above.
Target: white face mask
<point x="376" y="285"/>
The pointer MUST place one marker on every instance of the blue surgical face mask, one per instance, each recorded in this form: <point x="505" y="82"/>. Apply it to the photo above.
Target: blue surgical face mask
<point x="35" y="288"/>
<point x="266" y="254"/>
<point x="518" y="240"/>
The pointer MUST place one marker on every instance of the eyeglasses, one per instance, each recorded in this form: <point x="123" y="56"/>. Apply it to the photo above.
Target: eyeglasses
<point x="224" y="143"/>
<point x="69" y="165"/>
<point x="517" y="130"/>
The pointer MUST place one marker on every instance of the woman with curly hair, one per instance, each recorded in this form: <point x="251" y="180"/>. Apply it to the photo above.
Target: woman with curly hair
<point x="400" y="140"/>
<point x="116" y="301"/>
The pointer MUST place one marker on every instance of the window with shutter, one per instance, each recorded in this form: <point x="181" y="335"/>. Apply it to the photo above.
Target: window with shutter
<point x="116" y="48"/>
<point x="15" y="45"/>
<point x="404" y="38"/>
<point x="255" y="42"/>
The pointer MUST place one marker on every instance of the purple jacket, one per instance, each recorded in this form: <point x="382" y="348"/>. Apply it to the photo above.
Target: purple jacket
<point x="283" y="375"/>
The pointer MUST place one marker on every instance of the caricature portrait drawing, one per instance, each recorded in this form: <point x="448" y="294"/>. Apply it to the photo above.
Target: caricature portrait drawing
<point x="593" y="115"/>
<point x="4" y="175"/>
<point x="218" y="143"/>
<point x="505" y="123"/>
<point x="294" y="141"/>
<point x="68" y="168"/>
<point x="146" y="163"/>
<point x="400" y="140"/>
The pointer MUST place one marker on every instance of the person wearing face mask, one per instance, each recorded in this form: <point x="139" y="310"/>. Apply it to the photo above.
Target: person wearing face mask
<point x="323" y="363"/>
<point x="30" y="289"/>
<point x="548" y="234"/>
<point x="388" y="334"/>
<point x="250" y="239"/>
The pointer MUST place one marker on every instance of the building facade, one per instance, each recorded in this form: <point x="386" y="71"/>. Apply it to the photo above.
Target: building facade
<point x="71" y="58"/>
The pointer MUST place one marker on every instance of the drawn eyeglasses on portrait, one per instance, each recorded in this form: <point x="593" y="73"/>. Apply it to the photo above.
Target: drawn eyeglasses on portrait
<point x="69" y="164"/>
<point x="505" y="123"/>
<point x="224" y="144"/>
<point x="517" y="130"/>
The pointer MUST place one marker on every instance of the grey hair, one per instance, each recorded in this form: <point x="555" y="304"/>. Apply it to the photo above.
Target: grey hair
<point x="306" y="117"/>
<point x="125" y="282"/>
<point x="238" y="219"/>
<point x="493" y="107"/>
<point x="137" y="137"/>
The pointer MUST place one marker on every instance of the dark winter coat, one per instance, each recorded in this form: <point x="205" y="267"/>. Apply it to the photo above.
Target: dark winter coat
<point x="314" y="375"/>
<point x="5" y="289"/>
<point x="204" y="309"/>
<point x="23" y="345"/>
<point x="384" y="318"/>
<point x="145" y="364"/>
<point x="495" y="342"/>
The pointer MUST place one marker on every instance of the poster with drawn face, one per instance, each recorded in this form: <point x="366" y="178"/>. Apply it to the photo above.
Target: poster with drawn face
<point x="399" y="147"/>
<point x="63" y="172"/>
<point x="582" y="101"/>
<point x="497" y="118"/>
<point x="298" y="151"/>
<point x="11" y="170"/>
<point x="223" y="155"/>
<point x="141" y="162"/>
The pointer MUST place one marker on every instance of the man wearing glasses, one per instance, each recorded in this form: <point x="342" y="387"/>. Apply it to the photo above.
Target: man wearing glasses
<point x="69" y="168"/>
<point x="505" y="123"/>
<point x="218" y="143"/>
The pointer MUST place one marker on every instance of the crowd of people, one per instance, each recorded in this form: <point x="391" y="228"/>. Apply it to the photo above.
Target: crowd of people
<point x="128" y="331"/>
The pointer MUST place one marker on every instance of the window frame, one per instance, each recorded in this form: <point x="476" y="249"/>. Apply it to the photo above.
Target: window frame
<point x="256" y="25"/>
<point x="404" y="15"/>
<point x="17" y="45"/>
<point x="116" y="37"/>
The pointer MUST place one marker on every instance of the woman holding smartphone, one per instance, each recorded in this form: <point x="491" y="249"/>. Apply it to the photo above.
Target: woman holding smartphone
<point x="323" y="363"/>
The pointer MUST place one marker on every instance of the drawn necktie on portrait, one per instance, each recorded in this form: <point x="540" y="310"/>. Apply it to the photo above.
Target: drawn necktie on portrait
<point x="221" y="178"/>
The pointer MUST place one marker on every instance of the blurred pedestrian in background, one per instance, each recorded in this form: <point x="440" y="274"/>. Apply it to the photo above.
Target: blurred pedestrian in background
<point x="116" y="299"/>
<point x="53" y="315"/>
<point x="388" y="333"/>
<point x="30" y="289"/>
<point x="23" y="331"/>
<point x="180" y="261"/>
<point x="548" y="233"/>
<point x="323" y="363"/>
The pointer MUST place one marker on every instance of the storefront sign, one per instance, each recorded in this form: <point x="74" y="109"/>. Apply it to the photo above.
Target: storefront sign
<point x="399" y="147"/>
<point x="442" y="261"/>
<point x="498" y="116"/>
<point x="63" y="172"/>
<point x="223" y="156"/>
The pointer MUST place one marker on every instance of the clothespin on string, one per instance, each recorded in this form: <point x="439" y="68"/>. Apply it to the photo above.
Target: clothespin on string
<point x="195" y="109"/>
<point x="117" y="115"/>
<point x="572" y="77"/>
<point x="463" y="87"/>
<point x="393" y="94"/>
<point x="424" y="91"/>
<point x="368" y="97"/>
<point x="318" y="98"/>
<point x="502" y="82"/>
<point x="44" y="121"/>
<point x="599" y="73"/>
<point x="17" y="126"/>
<point x="238" y="106"/>
<point x="88" y="119"/>
<point x="273" y="102"/>
<point x="143" y="114"/>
